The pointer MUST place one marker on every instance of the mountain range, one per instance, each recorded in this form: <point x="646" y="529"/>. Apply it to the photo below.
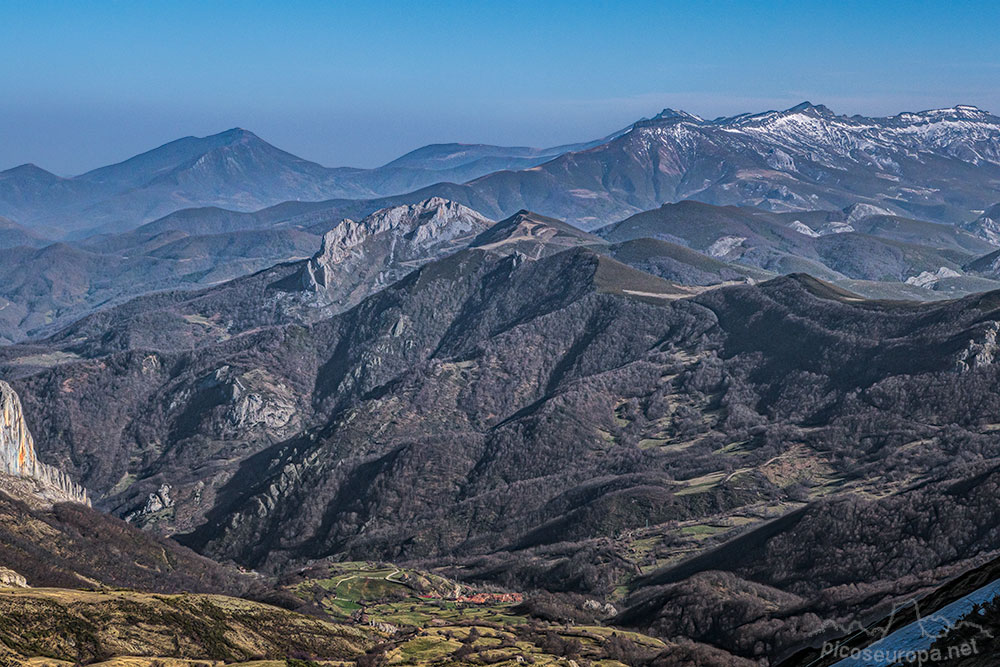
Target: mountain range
<point x="639" y="434"/>
<point x="863" y="248"/>
<point x="236" y="170"/>
<point x="198" y="211"/>
<point x="802" y="158"/>
<point x="702" y="392"/>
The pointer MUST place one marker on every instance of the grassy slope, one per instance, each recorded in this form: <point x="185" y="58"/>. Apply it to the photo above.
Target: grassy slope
<point x="88" y="626"/>
<point x="438" y="630"/>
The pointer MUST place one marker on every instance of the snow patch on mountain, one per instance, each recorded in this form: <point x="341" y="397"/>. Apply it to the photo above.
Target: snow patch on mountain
<point x="817" y="133"/>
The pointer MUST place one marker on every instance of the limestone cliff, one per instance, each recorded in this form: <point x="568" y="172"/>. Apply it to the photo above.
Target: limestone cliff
<point x="11" y="579"/>
<point x="360" y="258"/>
<point x="18" y="457"/>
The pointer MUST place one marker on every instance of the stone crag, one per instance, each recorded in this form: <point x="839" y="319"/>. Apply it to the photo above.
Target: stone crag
<point x="11" y="579"/>
<point x="360" y="258"/>
<point x="18" y="457"/>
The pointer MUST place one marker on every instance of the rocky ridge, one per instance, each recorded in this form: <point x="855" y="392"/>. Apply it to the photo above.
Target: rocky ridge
<point x="417" y="226"/>
<point x="986" y="226"/>
<point x="800" y="159"/>
<point x="11" y="579"/>
<point x="357" y="259"/>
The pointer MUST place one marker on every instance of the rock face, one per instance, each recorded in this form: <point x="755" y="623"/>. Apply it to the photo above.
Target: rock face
<point x="928" y="279"/>
<point x="360" y="258"/>
<point x="157" y="501"/>
<point x="981" y="350"/>
<point x="986" y="226"/>
<point x="416" y="227"/>
<point x="857" y="212"/>
<point x="17" y="453"/>
<point x="11" y="579"/>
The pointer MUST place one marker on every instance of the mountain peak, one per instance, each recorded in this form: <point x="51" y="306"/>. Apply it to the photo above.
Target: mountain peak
<point x="675" y="115"/>
<point x="412" y="228"/>
<point x="30" y="169"/>
<point x="234" y="137"/>
<point x="860" y="210"/>
<point x="534" y="235"/>
<point x="434" y="214"/>
<point x="807" y="106"/>
<point x="237" y="134"/>
<point x="959" y="111"/>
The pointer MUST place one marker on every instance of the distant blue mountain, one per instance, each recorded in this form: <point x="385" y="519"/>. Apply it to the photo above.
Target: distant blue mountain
<point x="235" y="170"/>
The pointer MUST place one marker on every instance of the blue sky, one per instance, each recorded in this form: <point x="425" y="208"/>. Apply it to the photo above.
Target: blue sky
<point x="87" y="83"/>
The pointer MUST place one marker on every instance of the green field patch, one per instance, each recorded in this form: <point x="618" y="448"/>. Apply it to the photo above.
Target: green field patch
<point x="701" y="484"/>
<point x="425" y="649"/>
<point x="46" y="360"/>
<point x="732" y="448"/>
<point x="702" y="530"/>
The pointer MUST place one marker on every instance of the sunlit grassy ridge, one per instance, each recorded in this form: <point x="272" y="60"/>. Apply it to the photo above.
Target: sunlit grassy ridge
<point x="88" y="626"/>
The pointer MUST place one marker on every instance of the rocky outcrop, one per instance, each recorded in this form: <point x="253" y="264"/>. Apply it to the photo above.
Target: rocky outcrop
<point x="980" y="351"/>
<point x="986" y="226"/>
<point x="258" y="400"/>
<point x="860" y="211"/>
<point x="11" y="579"/>
<point x="18" y="457"/>
<point x="928" y="279"/>
<point x="392" y="241"/>
<point x="157" y="501"/>
<point x="603" y="609"/>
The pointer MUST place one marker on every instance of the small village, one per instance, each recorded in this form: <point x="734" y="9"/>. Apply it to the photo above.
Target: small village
<point x="477" y="598"/>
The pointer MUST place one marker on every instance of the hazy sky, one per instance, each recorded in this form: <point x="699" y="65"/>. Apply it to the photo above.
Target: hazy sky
<point x="84" y="84"/>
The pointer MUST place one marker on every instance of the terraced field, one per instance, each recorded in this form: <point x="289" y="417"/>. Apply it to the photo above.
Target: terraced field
<point x="430" y="624"/>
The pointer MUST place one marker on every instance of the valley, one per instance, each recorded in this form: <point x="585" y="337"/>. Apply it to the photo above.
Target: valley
<point x="700" y="392"/>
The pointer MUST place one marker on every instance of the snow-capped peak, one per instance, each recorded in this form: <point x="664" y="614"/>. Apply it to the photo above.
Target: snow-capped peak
<point x="815" y="133"/>
<point x="806" y="107"/>
<point x="966" y="110"/>
<point x="673" y="114"/>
